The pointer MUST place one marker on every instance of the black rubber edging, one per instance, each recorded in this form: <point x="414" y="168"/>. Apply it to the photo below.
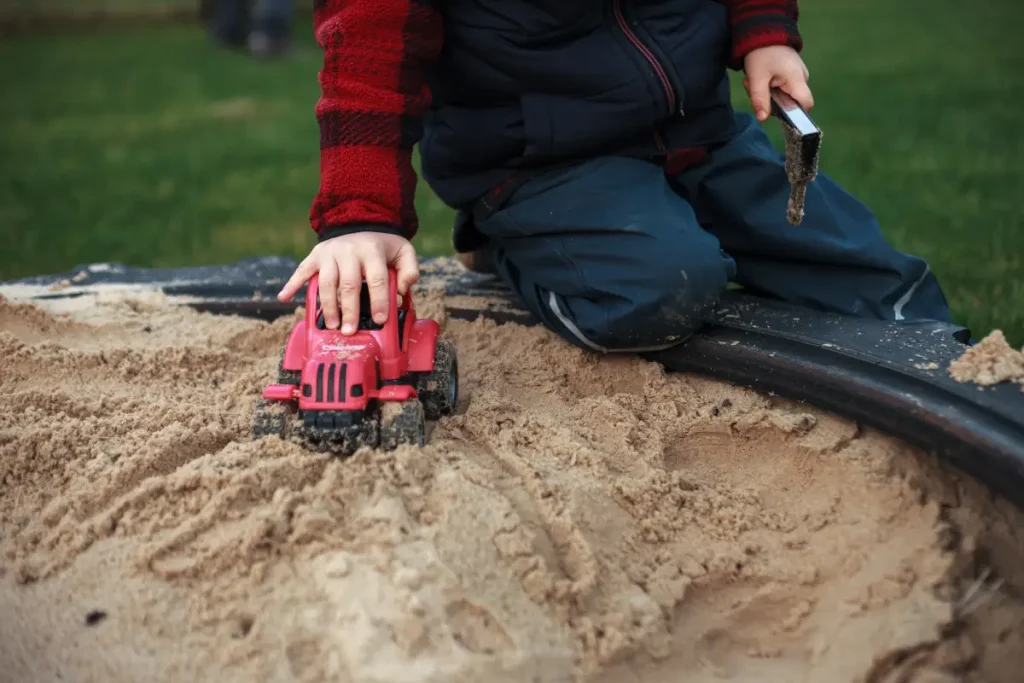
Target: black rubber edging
<point x="889" y="376"/>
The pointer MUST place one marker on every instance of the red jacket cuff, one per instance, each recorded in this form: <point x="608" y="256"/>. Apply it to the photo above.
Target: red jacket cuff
<point x="750" y="32"/>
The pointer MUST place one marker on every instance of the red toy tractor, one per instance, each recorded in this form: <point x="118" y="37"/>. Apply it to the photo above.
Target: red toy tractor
<point x="376" y="388"/>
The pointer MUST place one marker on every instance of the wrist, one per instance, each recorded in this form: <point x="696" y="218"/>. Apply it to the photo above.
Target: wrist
<point x="331" y="231"/>
<point x="769" y="54"/>
<point x="781" y="32"/>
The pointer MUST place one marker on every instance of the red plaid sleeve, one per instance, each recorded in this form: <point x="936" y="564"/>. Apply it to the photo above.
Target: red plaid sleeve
<point x="373" y="95"/>
<point x="760" y="23"/>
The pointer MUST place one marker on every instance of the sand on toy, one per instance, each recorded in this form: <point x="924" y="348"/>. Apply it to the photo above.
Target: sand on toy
<point x="581" y="519"/>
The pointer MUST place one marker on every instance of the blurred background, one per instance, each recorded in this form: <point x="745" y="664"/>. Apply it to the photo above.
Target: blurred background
<point x="128" y="133"/>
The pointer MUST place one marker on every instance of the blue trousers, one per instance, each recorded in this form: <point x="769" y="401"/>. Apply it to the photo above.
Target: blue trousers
<point x="614" y="256"/>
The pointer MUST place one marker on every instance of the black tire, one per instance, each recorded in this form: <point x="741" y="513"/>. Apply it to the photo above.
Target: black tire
<point x="402" y="423"/>
<point x="271" y="418"/>
<point x="439" y="389"/>
<point x="293" y="377"/>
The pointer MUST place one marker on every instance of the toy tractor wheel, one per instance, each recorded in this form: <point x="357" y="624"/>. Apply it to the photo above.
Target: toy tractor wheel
<point x="293" y="377"/>
<point x="271" y="419"/>
<point x="439" y="389"/>
<point x="402" y="423"/>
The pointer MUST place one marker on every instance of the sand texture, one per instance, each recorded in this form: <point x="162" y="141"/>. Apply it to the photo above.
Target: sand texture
<point x="991" y="361"/>
<point x="580" y="519"/>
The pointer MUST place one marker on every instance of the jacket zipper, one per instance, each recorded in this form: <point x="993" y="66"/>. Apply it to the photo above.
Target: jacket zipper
<point x="670" y="95"/>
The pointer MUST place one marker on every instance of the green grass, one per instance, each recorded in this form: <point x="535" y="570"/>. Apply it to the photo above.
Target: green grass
<point x="78" y="8"/>
<point x="152" y="148"/>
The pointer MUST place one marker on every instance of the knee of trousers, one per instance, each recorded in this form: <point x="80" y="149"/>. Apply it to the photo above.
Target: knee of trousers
<point x="662" y="303"/>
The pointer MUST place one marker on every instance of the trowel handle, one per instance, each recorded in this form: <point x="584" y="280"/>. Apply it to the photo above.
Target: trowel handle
<point x="782" y="100"/>
<point x="789" y="111"/>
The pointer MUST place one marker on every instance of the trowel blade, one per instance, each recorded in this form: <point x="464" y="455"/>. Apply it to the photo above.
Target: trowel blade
<point x="786" y="109"/>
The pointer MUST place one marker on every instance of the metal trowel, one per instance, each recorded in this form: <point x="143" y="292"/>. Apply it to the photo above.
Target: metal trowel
<point x="803" y="141"/>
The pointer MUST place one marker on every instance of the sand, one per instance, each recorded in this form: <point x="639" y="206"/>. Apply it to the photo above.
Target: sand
<point x="580" y="519"/>
<point x="991" y="361"/>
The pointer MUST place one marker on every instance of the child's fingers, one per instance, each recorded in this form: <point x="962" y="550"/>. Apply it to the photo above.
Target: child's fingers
<point x="800" y="92"/>
<point x="760" y="96"/>
<point x="303" y="272"/>
<point x="350" y="281"/>
<point x="376" y="269"/>
<point x="329" y="293"/>
<point x="406" y="268"/>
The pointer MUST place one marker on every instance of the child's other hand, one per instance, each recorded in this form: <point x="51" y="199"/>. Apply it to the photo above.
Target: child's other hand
<point x="343" y="262"/>
<point x="775" y="66"/>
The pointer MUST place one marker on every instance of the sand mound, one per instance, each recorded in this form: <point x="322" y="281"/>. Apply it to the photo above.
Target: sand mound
<point x="580" y="519"/>
<point x="990" y="361"/>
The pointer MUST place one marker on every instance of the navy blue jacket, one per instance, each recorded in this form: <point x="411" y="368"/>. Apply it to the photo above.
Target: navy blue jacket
<point x="524" y="83"/>
<point x="493" y="88"/>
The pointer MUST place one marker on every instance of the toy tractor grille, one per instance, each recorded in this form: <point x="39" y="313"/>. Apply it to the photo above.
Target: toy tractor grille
<point x="330" y="382"/>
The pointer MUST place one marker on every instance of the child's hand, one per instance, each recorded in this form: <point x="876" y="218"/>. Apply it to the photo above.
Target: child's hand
<point x="342" y="263"/>
<point x="776" y="66"/>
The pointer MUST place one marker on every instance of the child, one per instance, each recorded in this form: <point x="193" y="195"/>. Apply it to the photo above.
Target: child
<point x="593" y="156"/>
